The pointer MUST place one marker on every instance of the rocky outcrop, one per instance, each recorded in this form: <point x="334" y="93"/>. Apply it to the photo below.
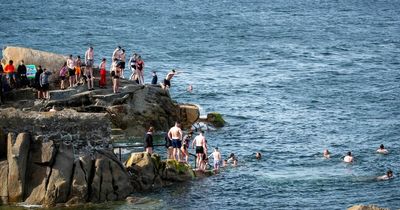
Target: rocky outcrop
<point x="37" y="172"/>
<point x="3" y="182"/>
<point x="17" y="156"/>
<point x="60" y="178"/>
<point x="369" y="207"/>
<point x="150" y="172"/>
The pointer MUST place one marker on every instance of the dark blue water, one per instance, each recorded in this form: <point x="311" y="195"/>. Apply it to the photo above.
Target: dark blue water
<point x="290" y="77"/>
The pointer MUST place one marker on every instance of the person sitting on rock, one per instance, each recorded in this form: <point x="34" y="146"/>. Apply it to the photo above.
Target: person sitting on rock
<point x="387" y="176"/>
<point x="382" y="150"/>
<point x="348" y="158"/>
<point x="148" y="143"/>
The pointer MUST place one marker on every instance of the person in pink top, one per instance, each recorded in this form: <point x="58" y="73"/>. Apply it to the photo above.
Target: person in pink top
<point x="63" y="74"/>
<point x="140" y="69"/>
<point x="89" y="60"/>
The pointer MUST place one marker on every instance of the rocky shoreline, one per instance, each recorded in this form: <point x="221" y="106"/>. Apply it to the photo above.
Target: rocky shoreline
<point x="60" y="151"/>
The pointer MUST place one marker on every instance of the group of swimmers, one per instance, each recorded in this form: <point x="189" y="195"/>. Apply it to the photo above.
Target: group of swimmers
<point x="348" y="158"/>
<point x="178" y="145"/>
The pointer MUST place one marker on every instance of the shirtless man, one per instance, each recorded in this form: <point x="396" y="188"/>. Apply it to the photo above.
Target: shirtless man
<point x="217" y="159"/>
<point x="348" y="158"/>
<point x="89" y="60"/>
<point x="201" y="148"/>
<point x="382" y="150"/>
<point x="167" y="81"/>
<point x="116" y="54"/>
<point x="175" y="134"/>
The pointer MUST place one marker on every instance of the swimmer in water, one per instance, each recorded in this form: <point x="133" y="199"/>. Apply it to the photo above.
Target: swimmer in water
<point x="327" y="154"/>
<point x="225" y="163"/>
<point x="233" y="159"/>
<point x="258" y="155"/>
<point x="348" y="158"/>
<point x="190" y="88"/>
<point x="382" y="150"/>
<point x="389" y="175"/>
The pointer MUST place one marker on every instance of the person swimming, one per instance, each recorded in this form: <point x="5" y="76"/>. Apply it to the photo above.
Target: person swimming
<point x="348" y="158"/>
<point x="258" y="155"/>
<point x="382" y="150"/>
<point x="327" y="154"/>
<point x="233" y="159"/>
<point x="387" y="176"/>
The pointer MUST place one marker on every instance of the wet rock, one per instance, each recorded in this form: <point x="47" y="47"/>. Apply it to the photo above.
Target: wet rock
<point x="177" y="172"/>
<point x="60" y="179"/>
<point x="3" y="182"/>
<point x="189" y="114"/>
<point x="215" y="119"/>
<point x="143" y="168"/>
<point x="17" y="157"/>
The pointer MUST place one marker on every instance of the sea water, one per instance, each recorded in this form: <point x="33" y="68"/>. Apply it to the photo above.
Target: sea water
<point x="291" y="78"/>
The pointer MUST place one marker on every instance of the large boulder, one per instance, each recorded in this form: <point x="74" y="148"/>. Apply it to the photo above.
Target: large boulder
<point x="189" y="114"/>
<point x="143" y="169"/>
<point x="17" y="157"/>
<point x="368" y="207"/>
<point x="177" y="172"/>
<point x="102" y="188"/>
<point x="3" y="182"/>
<point x="80" y="181"/>
<point x="60" y="179"/>
<point x="47" y="60"/>
<point x="41" y="158"/>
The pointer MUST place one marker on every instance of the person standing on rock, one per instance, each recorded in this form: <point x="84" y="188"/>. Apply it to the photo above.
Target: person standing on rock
<point x="167" y="80"/>
<point x="148" y="143"/>
<point x="140" y="69"/>
<point x="122" y="58"/>
<point x="89" y="61"/>
<point x="116" y="54"/>
<point x="37" y="82"/>
<point x="71" y="71"/>
<point x="132" y="63"/>
<point x="63" y="73"/>
<point x="78" y="72"/>
<point x="44" y="83"/>
<point x="9" y="69"/>
<point x="201" y="148"/>
<point x="103" y="80"/>
<point x="175" y="134"/>
<point x="185" y="146"/>
<point x="21" y="70"/>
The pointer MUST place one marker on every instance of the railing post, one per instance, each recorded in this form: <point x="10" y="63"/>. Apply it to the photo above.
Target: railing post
<point x="120" y="156"/>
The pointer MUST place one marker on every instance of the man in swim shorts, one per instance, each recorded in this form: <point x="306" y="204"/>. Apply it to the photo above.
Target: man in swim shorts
<point x="201" y="148"/>
<point x="167" y="80"/>
<point x="175" y="134"/>
<point x="89" y="61"/>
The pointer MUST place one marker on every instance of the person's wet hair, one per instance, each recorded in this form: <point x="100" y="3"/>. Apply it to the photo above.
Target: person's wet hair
<point x="349" y="153"/>
<point x="382" y="147"/>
